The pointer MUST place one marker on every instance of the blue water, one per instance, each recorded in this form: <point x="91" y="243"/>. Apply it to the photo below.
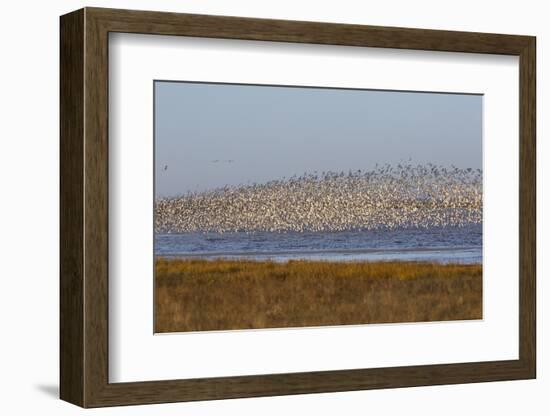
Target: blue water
<point x="441" y="244"/>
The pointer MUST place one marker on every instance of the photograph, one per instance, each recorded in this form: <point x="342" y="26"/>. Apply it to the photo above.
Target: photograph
<point x="269" y="204"/>
<point x="280" y="206"/>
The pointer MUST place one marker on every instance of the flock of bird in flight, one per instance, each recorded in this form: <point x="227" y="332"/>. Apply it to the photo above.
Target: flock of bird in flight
<point x="401" y="196"/>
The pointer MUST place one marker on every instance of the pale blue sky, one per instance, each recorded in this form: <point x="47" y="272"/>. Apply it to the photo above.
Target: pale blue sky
<point x="209" y="135"/>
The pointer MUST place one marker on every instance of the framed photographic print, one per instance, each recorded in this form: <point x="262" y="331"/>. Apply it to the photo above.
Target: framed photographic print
<point x="255" y="207"/>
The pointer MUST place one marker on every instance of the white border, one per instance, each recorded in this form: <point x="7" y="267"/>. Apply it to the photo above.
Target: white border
<point x="135" y="354"/>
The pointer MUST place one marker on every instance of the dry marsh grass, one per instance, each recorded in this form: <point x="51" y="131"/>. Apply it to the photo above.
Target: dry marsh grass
<point x="203" y="295"/>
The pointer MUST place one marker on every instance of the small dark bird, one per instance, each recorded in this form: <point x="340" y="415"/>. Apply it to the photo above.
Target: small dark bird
<point x="165" y="167"/>
<point x="222" y="161"/>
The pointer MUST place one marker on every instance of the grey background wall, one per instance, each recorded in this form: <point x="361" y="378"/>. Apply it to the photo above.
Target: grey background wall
<point x="29" y="208"/>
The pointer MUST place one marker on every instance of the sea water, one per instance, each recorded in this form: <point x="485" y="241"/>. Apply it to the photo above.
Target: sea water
<point x="449" y="244"/>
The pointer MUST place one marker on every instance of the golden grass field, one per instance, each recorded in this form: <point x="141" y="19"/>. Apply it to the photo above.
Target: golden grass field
<point x="204" y="295"/>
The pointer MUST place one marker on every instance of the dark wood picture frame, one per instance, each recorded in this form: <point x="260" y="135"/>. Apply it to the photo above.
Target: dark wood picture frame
<point x="84" y="207"/>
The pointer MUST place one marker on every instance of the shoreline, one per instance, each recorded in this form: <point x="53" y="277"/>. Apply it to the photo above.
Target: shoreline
<point x="443" y="255"/>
